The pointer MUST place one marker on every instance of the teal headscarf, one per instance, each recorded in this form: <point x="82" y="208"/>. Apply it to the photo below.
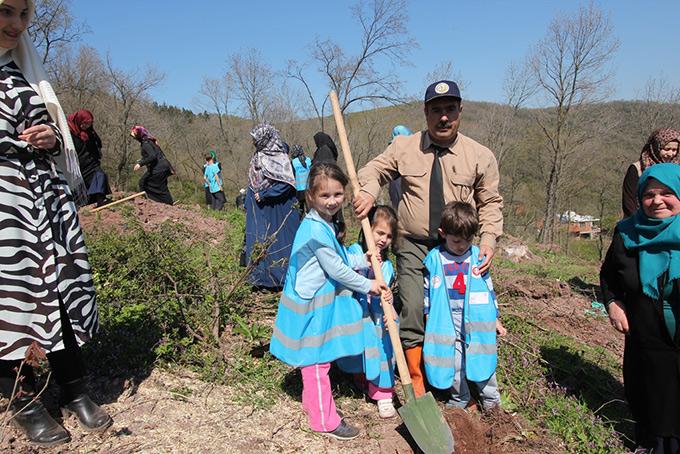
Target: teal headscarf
<point x="657" y="240"/>
<point x="400" y="130"/>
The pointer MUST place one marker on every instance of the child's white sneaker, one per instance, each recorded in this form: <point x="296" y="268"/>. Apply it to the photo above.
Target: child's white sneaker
<point x="386" y="409"/>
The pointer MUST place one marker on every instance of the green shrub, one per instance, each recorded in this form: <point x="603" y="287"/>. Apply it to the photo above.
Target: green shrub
<point x="564" y="385"/>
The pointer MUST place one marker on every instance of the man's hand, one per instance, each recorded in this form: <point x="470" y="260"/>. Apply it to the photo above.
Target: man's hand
<point x="136" y="167"/>
<point x="363" y="202"/>
<point x="487" y="253"/>
<point x="618" y="317"/>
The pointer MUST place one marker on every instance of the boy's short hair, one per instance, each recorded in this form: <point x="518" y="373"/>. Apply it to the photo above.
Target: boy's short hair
<point x="208" y="158"/>
<point x="460" y="219"/>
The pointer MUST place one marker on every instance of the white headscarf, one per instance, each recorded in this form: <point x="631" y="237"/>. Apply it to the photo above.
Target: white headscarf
<point x="26" y="58"/>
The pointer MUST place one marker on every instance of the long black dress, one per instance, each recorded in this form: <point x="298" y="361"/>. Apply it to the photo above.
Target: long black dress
<point x="155" y="180"/>
<point x="90" y="160"/>
<point x="651" y="360"/>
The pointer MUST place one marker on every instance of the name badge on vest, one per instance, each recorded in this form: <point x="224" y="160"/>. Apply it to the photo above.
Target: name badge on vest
<point x="479" y="298"/>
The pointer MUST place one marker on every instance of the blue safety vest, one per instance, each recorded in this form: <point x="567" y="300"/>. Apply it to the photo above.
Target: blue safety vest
<point x="479" y="319"/>
<point x="329" y="325"/>
<point x="301" y="173"/>
<point x="377" y="362"/>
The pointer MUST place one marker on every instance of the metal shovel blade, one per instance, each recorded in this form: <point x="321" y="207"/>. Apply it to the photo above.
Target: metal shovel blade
<point x="427" y="426"/>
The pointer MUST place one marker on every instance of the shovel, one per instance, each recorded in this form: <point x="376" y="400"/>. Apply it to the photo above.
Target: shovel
<point x="421" y="415"/>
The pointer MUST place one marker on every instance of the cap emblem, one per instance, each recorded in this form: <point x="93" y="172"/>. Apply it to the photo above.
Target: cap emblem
<point x="441" y="88"/>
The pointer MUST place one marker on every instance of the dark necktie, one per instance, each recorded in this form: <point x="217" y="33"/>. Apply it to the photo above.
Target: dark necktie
<point x="436" y="192"/>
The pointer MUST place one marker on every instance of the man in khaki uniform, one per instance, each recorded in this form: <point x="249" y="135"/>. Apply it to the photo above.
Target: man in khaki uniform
<point x="436" y="166"/>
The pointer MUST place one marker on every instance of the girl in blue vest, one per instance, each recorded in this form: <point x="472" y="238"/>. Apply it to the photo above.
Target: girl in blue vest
<point x="377" y="365"/>
<point x="301" y="167"/>
<point x="318" y="320"/>
<point x="461" y="313"/>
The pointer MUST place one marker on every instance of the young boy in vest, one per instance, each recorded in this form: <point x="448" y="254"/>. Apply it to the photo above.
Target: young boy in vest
<point x="461" y="313"/>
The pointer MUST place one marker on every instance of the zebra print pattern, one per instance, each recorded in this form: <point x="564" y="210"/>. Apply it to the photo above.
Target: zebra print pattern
<point x="43" y="258"/>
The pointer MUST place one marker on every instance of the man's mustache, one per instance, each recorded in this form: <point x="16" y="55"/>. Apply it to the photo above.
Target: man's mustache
<point x="444" y="124"/>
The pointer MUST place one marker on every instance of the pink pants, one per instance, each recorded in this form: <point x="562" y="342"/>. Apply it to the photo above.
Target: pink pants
<point x="377" y="393"/>
<point x="317" y="398"/>
<point x="374" y="392"/>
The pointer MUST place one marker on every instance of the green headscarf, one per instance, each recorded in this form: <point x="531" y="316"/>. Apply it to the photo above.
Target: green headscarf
<point x="657" y="240"/>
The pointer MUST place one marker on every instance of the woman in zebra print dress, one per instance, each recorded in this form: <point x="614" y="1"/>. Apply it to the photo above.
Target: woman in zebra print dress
<point x="47" y="295"/>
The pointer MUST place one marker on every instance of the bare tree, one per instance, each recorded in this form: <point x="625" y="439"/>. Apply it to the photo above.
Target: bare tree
<point x="446" y="71"/>
<point x="218" y="94"/>
<point x="659" y="106"/>
<point x="499" y="120"/>
<point x="127" y="90"/>
<point x="54" y="28"/>
<point x="570" y="68"/>
<point x="254" y="80"/>
<point x="356" y="78"/>
<point x="81" y="77"/>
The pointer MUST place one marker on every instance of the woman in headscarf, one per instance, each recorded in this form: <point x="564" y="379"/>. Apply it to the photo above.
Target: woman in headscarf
<point x="326" y="151"/>
<point x="47" y="296"/>
<point x="89" y="148"/>
<point x="639" y="280"/>
<point x="271" y="217"/>
<point x="155" y="180"/>
<point x="662" y="146"/>
<point x="301" y="166"/>
<point x="394" y="189"/>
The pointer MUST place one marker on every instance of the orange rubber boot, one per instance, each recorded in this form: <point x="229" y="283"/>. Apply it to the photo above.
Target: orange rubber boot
<point x="414" y="359"/>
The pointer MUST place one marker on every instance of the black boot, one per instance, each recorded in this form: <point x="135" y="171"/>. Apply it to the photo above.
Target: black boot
<point x="75" y="401"/>
<point x="36" y="422"/>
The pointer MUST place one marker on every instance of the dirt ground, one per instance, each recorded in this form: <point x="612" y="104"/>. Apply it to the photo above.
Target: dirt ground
<point x="152" y="214"/>
<point x="174" y="412"/>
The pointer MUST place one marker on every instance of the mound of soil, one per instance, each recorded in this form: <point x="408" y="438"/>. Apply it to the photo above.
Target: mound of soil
<point x="151" y="214"/>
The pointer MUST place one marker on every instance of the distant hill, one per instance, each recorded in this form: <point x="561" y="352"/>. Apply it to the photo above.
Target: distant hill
<point x="616" y="132"/>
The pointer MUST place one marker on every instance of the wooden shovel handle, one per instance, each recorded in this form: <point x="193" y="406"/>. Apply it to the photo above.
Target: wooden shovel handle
<point x="368" y="235"/>
<point x="124" y="199"/>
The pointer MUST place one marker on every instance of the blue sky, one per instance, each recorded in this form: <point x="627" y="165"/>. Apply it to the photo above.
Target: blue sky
<point x="191" y="40"/>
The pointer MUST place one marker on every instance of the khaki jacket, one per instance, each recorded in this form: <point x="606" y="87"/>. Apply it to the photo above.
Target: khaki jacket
<point x="470" y="173"/>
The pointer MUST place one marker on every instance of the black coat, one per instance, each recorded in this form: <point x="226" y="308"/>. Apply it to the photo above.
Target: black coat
<point x="651" y="360"/>
<point x="89" y="156"/>
<point x="154" y="159"/>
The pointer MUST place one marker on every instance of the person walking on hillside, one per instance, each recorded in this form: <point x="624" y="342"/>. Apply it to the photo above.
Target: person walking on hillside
<point x="213" y="177"/>
<point x="208" y="195"/>
<point x="639" y="282"/>
<point x="271" y="216"/>
<point x="155" y="180"/>
<point x="661" y="146"/>
<point x="46" y="287"/>
<point x="437" y="166"/>
<point x="89" y="148"/>
<point x="301" y="166"/>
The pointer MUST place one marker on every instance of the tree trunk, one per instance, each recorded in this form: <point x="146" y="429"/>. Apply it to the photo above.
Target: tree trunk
<point x="547" y="235"/>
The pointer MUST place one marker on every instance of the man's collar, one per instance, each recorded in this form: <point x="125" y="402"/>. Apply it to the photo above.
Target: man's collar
<point x="427" y="141"/>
